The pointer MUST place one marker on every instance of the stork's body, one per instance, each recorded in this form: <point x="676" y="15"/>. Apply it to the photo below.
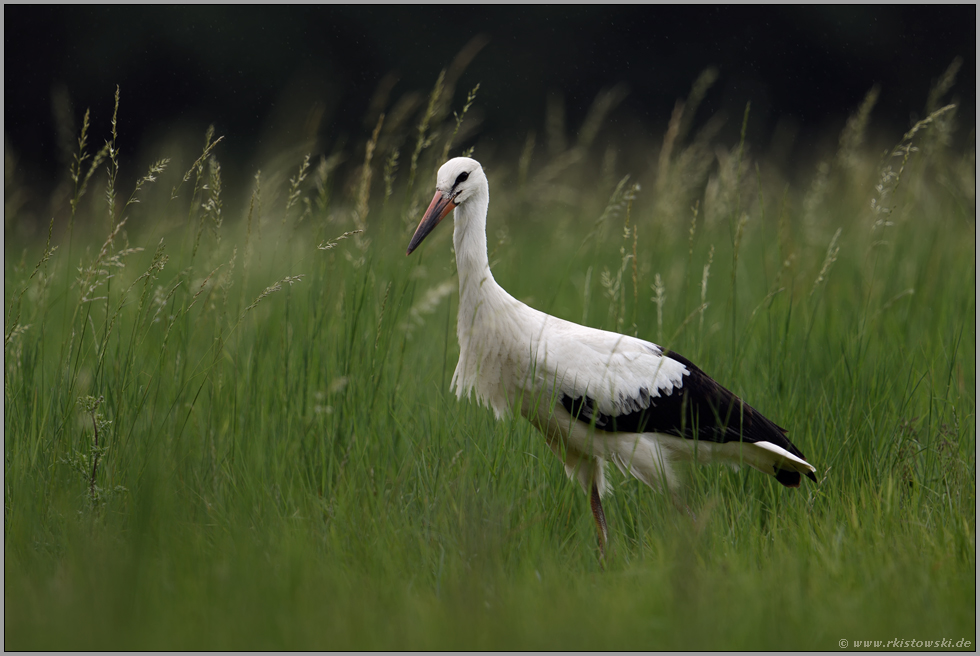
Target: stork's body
<point x="596" y="395"/>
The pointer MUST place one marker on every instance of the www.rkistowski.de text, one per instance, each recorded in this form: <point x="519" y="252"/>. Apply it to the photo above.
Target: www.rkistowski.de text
<point x="897" y="643"/>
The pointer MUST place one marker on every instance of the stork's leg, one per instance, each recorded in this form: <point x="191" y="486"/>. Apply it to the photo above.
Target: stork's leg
<point x="682" y="506"/>
<point x="600" y="520"/>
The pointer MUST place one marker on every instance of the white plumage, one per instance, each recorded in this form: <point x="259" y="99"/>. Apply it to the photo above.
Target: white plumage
<point x="595" y="395"/>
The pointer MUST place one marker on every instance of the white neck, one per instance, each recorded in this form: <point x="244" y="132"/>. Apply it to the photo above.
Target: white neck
<point x="491" y="323"/>
<point x="470" y="242"/>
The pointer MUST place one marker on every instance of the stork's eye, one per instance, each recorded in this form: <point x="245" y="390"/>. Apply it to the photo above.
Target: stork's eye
<point x="461" y="178"/>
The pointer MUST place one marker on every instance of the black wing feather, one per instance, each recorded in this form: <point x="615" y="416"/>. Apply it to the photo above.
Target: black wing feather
<point x="699" y="409"/>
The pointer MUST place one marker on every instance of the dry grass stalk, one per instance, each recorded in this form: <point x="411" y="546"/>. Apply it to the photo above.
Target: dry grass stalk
<point x="470" y="97"/>
<point x="294" y="186"/>
<point x="659" y="298"/>
<point x="390" y="170"/>
<point x="604" y="103"/>
<point x="275" y="287"/>
<point x="113" y="154"/>
<point x="364" y="186"/>
<point x="673" y="130"/>
<point x="198" y="165"/>
<point x="704" y="289"/>
<point x="943" y="85"/>
<point x="75" y="171"/>
<point x="156" y="169"/>
<point x="698" y="91"/>
<point x="424" y="139"/>
<point x="11" y="325"/>
<point x="852" y="136"/>
<point x="832" y="250"/>
<point x="328" y="245"/>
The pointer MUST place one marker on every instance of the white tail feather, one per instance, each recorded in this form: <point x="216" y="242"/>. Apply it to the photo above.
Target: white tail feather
<point x="802" y="466"/>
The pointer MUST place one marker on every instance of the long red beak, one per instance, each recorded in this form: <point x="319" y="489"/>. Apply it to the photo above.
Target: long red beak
<point x="438" y="209"/>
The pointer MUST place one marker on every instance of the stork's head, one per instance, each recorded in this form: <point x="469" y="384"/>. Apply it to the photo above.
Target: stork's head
<point x="457" y="180"/>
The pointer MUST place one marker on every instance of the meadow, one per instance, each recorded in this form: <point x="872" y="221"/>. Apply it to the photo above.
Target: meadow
<point x="236" y="432"/>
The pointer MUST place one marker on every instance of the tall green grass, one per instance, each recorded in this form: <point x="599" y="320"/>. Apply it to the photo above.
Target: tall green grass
<point x="235" y="432"/>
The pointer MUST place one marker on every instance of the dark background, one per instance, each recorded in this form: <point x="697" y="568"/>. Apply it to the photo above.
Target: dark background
<point x="241" y="67"/>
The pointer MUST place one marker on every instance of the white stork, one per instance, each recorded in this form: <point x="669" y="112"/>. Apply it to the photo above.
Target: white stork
<point x="594" y="394"/>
